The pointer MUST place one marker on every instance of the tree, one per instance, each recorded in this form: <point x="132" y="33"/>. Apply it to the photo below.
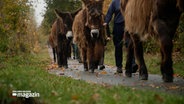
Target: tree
<point x="62" y="5"/>
<point x="15" y="18"/>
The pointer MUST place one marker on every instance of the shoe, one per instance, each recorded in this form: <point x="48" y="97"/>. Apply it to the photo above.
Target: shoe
<point x="101" y="67"/>
<point x="74" y="57"/>
<point x="119" y="70"/>
<point x="134" y="68"/>
<point x="79" y="60"/>
<point x="65" y="66"/>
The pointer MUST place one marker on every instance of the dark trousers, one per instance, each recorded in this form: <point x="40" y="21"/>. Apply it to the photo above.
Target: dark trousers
<point x="118" y="31"/>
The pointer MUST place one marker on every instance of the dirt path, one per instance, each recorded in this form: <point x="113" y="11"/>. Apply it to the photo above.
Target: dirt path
<point x="108" y="77"/>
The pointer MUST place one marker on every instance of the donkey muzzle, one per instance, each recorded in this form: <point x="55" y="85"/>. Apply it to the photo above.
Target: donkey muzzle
<point x="69" y="35"/>
<point x="95" y="33"/>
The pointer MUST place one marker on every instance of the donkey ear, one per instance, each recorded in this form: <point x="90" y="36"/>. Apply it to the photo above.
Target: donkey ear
<point x="86" y="2"/>
<point x="75" y="13"/>
<point x="100" y="1"/>
<point x="58" y="13"/>
<point x="180" y="5"/>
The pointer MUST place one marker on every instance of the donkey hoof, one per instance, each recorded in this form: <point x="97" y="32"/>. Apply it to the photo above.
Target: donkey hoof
<point x="134" y="68"/>
<point x="85" y="69"/>
<point x="128" y="74"/>
<point x="65" y="66"/>
<point x="101" y="67"/>
<point x="60" y="66"/>
<point x="143" y="77"/>
<point x="92" y="70"/>
<point x="167" y="78"/>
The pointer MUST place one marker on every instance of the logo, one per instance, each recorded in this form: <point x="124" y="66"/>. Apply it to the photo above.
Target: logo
<point x="25" y="94"/>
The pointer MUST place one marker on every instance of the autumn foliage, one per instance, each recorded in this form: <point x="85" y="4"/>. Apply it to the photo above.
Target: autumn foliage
<point x="17" y="26"/>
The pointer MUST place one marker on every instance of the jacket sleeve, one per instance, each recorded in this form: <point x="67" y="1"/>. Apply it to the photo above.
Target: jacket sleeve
<point x="110" y="13"/>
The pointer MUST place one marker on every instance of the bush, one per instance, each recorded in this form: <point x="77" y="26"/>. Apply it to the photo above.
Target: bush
<point x="17" y="26"/>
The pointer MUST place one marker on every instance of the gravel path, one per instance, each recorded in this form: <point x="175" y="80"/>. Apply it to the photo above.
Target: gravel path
<point x="108" y="77"/>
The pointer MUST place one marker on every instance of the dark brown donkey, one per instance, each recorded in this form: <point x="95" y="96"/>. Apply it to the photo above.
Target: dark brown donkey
<point x="51" y="43"/>
<point x="158" y="18"/>
<point x="61" y="34"/>
<point x="89" y="33"/>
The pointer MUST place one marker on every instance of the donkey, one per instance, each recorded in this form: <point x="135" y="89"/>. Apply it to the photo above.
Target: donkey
<point x="157" y="18"/>
<point x="89" y="33"/>
<point x="61" y="35"/>
<point x="51" y="44"/>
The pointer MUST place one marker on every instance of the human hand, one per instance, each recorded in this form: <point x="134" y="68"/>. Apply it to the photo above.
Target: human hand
<point x="104" y="24"/>
<point x="108" y="38"/>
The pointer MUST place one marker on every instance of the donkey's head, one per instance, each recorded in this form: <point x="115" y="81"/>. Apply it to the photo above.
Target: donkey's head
<point x="180" y="5"/>
<point x="67" y="18"/>
<point x="94" y="16"/>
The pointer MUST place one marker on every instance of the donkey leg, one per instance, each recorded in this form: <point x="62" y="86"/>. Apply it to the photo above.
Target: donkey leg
<point x="129" y="59"/>
<point x="59" y="57"/>
<point x="54" y="54"/>
<point x="65" y="57"/>
<point x="68" y="49"/>
<point x="166" y="63"/>
<point x="84" y="58"/>
<point x="138" y="51"/>
<point x="99" y="55"/>
<point x="90" y="59"/>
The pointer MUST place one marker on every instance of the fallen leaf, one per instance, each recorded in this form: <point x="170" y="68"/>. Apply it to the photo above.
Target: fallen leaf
<point x="103" y="72"/>
<point x="133" y="89"/>
<point x="62" y="73"/>
<point x="52" y="66"/>
<point x="173" y="87"/>
<point x="96" y="74"/>
<point x="158" y="98"/>
<point x="152" y="85"/>
<point x="78" y="75"/>
<point x="116" y="97"/>
<point x="96" y="96"/>
<point x="74" y="66"/>
<point x="55" y="66"/>
<point x="62" y="68"/>
<point x="157" y="87"/>
<point x="75" y="97"/>
<point x="54" y="93"/>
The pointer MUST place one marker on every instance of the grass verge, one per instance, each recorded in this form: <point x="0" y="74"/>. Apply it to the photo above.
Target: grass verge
<point x="27" y="72"/>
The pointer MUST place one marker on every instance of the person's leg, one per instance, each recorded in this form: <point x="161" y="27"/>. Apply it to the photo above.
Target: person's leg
<point x="118" y="53"/>
<point x="118" y="43"/>
<point x="118" y="56"/>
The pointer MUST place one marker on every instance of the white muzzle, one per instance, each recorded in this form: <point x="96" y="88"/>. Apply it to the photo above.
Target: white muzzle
<point x="94" y="33"/>
<point x="69" y="34"/>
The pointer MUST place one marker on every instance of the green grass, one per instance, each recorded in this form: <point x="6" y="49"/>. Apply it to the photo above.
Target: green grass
<point x="28" y="72"/>
<point x="109" y="54"/>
